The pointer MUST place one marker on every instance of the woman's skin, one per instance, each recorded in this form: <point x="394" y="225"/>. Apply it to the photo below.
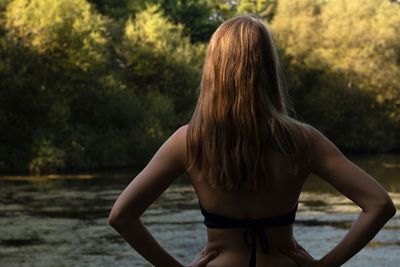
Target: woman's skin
<point x="225" y="247"/>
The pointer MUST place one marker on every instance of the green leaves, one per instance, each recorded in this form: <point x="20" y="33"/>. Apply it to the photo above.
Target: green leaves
<point x="360" y="38"/>
<point x="67" y="29"/>
<point x="47" y="158"/>
<point x="343" y="61"/>
<point x="160" y="58"/>
<point x="151" y="33"/>
<point x="101" y="83"/>
<point x="263" y="8"/>
<point x="75" y="96"/>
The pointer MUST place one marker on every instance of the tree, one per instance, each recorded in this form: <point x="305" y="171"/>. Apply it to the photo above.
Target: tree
<point x="119" y="10"/>
<point x="348" y="48"/>
<point x="54" y="53"/>
<point x="158" y="56"/>
<point x="263" y="8"/>
<point x="162" y="66"/>
<point x="195" y="15"/>
<point x="68" y="29"/>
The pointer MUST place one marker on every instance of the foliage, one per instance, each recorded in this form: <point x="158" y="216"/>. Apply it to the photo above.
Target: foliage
<point x="76" y="87"/>
<point x="343" y="60"/>
<point x="65" y="28"/>
<point x="47" y="157"/>
<point x="101" y="83"/>
<point x="158" y="57"/>
<point x="263" y="8"/>
<point x="194" y="15"/>
<point x="119" y="10"/>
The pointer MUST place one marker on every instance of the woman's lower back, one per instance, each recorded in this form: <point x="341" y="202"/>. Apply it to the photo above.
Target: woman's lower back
<point x="227" y="258"/>
<point x="234" y="252"/>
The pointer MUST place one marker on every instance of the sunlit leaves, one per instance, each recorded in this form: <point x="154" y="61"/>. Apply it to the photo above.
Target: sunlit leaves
<point x="84" y="90"/>
<point x="67" y="28"/>
<point x="263" y="8"/>
<point x="159" y="57"/>
<point x="151" y="31"/>
<point x="359" y="38"/>
<point x="342" y="64"/>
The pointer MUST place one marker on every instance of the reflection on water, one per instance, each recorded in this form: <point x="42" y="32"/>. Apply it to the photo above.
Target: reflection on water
<point x="62" y="220"/>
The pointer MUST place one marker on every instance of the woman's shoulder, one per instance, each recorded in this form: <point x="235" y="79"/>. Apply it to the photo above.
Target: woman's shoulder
<point x="314" y="143"/>
<point x="316" y="138"/>
<point x="312" y="134"/>
<point x="180" y="133"/>
<point x="178" y="138"/>
<point x="323" y="152"/>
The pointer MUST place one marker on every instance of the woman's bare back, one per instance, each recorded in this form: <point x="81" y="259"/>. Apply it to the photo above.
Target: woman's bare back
<point x="279" y="199"/>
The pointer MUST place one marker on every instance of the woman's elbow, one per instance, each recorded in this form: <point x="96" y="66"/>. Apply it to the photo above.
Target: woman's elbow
<point x="391" y="208"/>
<point x="114" y="218"/>
<point x="117" y="219"/>
<point x="386" y="207"/>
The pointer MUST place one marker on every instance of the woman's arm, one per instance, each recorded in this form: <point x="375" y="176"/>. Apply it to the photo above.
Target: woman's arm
<point x="167" y="164"/>
<point x="377" y="207"/>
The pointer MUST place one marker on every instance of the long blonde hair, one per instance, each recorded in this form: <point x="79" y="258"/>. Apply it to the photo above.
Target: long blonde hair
<point x="241" y="109"/>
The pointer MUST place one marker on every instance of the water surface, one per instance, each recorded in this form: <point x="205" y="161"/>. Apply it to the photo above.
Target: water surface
<point x="62" y="220"/>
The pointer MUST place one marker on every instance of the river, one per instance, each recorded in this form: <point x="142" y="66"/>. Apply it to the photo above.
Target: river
<point x="61" y="220"/>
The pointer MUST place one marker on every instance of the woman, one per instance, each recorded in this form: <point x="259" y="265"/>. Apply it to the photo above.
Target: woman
<point x="247" y="161"/>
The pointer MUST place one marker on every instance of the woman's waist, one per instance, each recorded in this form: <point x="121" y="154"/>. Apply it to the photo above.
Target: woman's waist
<point x="237" y="255"/>
<point x="240" y="239"/>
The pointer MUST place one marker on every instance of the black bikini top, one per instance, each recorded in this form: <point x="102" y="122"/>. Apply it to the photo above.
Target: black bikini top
<point x="253" y="228"/>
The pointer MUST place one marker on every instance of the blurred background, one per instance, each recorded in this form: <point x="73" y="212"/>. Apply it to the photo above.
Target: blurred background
<point x="89" y="89"/>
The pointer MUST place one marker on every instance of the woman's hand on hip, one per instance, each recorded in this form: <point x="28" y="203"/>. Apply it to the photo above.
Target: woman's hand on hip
<point x="203" y="258"/>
